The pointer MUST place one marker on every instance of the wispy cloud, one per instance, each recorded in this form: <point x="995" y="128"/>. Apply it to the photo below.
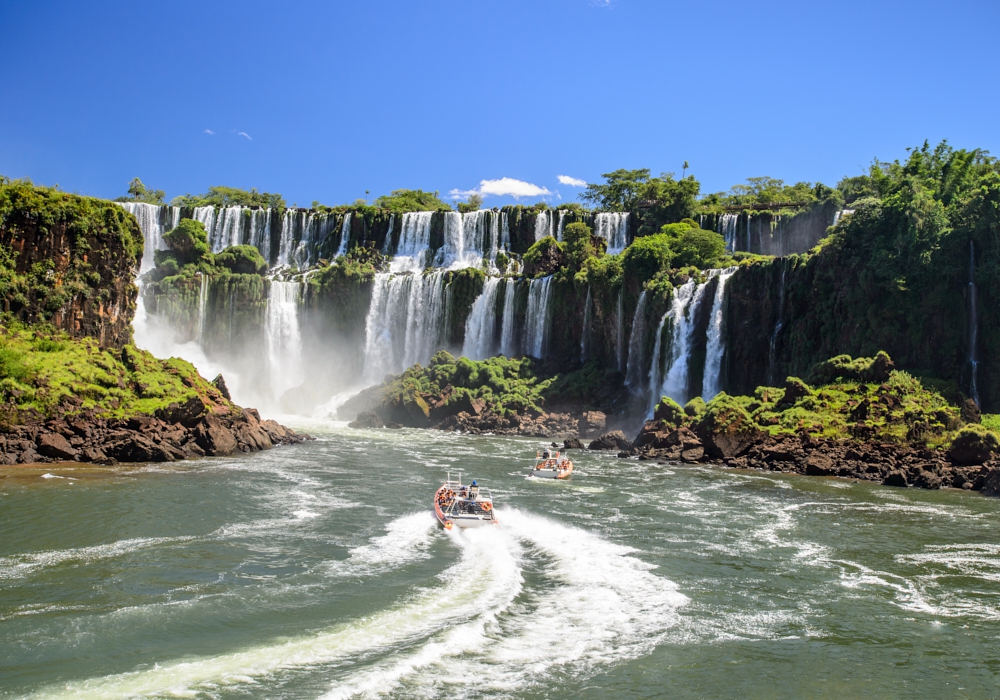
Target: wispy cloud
<point x="571" y="181"/>
<point x="504" y="187"/>
<point x="243" y="133"/>
<point x="602" y="3"/>
<point x="209" y="132"/>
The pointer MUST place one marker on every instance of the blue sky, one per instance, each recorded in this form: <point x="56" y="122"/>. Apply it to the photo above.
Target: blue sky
<point x="324" y="100"/>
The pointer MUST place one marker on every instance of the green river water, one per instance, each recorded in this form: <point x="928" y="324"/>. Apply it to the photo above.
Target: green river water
<point x="317" y="571"/>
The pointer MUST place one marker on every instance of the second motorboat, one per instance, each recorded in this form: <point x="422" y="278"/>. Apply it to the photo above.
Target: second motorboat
<point x="460" y="505"/>
<point x="551" y="465"/>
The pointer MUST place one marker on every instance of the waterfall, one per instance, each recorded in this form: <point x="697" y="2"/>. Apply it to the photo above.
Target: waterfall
<point x="345" y="235"/>
<point x="507" y="347"/>
<point x="480" y="328"/>
<point x="973" y="324"/>
<point x="683" y="312"/>
<point x="636" y="343"/>
<point x="284" y="342"/>
<point x="387" y="245"/>
<point x="562" y="224"/>
<point x="588" y="320"/>
<point x="414" y="243"/>
<point x="682" y="295"/>
<point x="536" y="322"/>
<point x="202" y="307"/>
<point x="727" y="227"/>
<point x="716" y="346"/>
<point x="840" y="214"/>
<point x="613" y="227"/>
<point x="620" y="332"/>
<point x="543" y="225"/>
<point x="404" y="323"/>
<point x="154" y="221"/>
<point x="470" y="237"/>
<point x="772" y="354"/>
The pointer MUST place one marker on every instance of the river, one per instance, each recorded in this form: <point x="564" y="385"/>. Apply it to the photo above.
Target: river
<point x="317" y="571"/>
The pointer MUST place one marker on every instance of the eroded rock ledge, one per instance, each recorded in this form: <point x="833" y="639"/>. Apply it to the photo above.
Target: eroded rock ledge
<point x="177" y="432"/>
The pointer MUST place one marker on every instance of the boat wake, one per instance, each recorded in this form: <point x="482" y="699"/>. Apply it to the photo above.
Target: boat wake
<point x="527" y="600"/>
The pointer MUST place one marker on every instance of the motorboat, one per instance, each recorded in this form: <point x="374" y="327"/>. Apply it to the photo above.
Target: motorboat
<point x="550" y="464"/>
<point x="463" y="505"/>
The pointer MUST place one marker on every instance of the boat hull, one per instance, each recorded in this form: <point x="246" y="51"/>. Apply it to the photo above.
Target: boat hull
<point x="464" y="520"/>
<point x="551" y="473"/>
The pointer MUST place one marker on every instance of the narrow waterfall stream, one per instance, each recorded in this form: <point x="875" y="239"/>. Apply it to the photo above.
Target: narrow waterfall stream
<point x="973" y="325"/>
<point x="508" y="344"/>
<point x="414" y="243"/>
<point x="612" y="227"/>
<point x="620" y="332"/>
<point x="537" y="319"/>
<point x="772" y="356"/>
<point x="284" y="341"/>
<point x="588" y="320"/>
<point x="716" y="346"/>
<point x="345" y="235"/>
<point x="202" y="306"/>
<point x="480" y="328"/>
<point x="636" y="362"/>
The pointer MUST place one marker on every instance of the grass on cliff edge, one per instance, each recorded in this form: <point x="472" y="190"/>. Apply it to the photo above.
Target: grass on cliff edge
<point x="44" y="373"/>
<point x="900" y="410"/>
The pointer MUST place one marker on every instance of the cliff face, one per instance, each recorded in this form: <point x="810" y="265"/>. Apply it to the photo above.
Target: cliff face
<point x="69" y="261"/>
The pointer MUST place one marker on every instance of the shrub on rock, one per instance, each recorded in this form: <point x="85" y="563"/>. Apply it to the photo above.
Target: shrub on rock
<point x="670" y="411"/>
<point x="973" y="444"/>
<point x="695" y="407"/>
<point x="242" y="260"/>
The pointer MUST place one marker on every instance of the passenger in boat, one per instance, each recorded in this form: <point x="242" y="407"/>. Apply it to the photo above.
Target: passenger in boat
<point x="545" y="454"/>
<point x="474" y="490"/>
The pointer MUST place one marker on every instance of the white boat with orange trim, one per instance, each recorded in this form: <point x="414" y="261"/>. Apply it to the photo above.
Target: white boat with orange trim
<point x="460" y="505"/>
<point x="551" y="465"/>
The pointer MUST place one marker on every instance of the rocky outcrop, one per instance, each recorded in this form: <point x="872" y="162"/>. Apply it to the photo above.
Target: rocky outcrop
<point x="72" y="262"/>
<point x="891" y="465"/>
<point x="181" y="432"/>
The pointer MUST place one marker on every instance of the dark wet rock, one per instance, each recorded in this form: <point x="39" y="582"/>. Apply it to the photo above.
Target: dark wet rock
<point x="214" y="437"/>
<point x="991" y="483"/>
<point x="895" y="478"/>
<point x="572" y="444"/>
<point x="367" y="419"/>
<point x="56" y="446"/>
<point x="693" y="454"/>
<point x="818" y="464"/>
<point x="220" y="383"/>
<point x="615" y="440"/>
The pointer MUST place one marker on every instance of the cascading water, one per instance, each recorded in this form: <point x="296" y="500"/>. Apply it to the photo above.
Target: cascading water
<point x="470" y="237"/>
<point x="480" y="328"/>
<point x="716" y="346"/>
<point x="154" y="221"/>
<point x="840" y="214"/>
<point x="683" y="313"/>
<point x="588" y="320"/>
<point x="543" y="225"/>
<point x="682" y="296"/>
<point x="613" y="227"/>
<point x="973" y="325"/>
<point x="404" y="323"/>
<point x="620" y="332"/>
<point x="202" y="306"/>
<point x="536" y="322"/>
<point x="637" y="340"/>
<point x="508" y="346"/>
<point x="284" y="341"/>
<point x="345" y="235"/>
<point x="387" y="245"/>
<point x="562" y="224"/>
<point x="727" y="227"/>
<point x="414" y="243"/>
<point x="772" y="354"/>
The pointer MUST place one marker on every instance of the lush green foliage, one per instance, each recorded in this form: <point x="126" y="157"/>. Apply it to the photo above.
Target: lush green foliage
<point x="188" y="242"/>
<point x="411" y="200"/>
<point x="138" y="192"/>
<point x="242" y="260"/>
<point x="658" y="200"/>
<point x="43" y="372"/>
<point x="473" y="203"/>
<point x="579" y="244"/>
<point x="221" y="196"/>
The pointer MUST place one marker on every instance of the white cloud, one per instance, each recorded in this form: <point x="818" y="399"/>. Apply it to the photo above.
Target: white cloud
<point x="209" y="132"/>
<point x="571" y="181"/>
<point x="243" y="133"/>
<point x="504" y="187"/>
